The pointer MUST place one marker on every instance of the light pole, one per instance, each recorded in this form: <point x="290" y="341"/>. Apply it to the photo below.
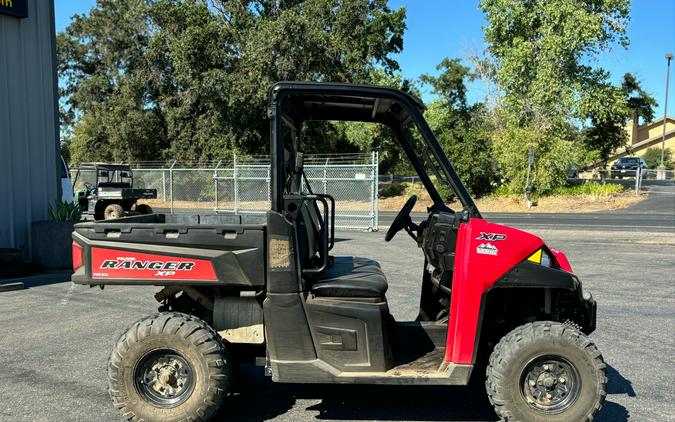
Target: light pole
<point x="662" y="167"/>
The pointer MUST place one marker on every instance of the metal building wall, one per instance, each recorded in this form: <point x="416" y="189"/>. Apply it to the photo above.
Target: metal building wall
<point x="28" y="122"/>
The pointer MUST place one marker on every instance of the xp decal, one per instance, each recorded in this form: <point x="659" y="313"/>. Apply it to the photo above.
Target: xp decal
<point x="491" y="236"/>
<point x="107" y="263"/>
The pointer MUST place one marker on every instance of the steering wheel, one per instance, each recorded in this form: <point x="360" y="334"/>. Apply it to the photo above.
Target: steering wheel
<point x="402" y="220"/>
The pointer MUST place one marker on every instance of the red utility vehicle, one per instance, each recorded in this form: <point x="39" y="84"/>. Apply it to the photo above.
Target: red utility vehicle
<point x="266" y="289"/>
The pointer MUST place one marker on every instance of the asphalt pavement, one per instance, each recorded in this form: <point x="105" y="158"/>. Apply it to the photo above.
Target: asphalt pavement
<point x="55" y="339"/>
<point x="656" y="212"/>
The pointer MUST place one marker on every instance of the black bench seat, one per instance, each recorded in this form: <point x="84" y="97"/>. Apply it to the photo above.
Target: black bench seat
<point x="351" y="277"/>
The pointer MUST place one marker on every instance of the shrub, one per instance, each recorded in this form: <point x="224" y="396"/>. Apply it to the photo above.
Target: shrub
<point x="393" y="189"/>
<point x="65" y="211"/>
<point x="653" y="158"/>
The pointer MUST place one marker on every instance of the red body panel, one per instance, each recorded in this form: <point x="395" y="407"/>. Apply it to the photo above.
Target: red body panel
<point x="561" y="259"/>
<point x="485" y="251"/>
<point x="77" y="256"/>
<point x="116" y="264"/>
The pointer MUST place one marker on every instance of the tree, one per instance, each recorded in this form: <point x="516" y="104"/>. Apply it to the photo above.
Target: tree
<point x="653" y="158"/>
<point x="462" y="130"/>
<point x="541" y="49"/>
<point x="609" y="111"/>
<point x="639" y="102"/>
<point x="188" y="79"/>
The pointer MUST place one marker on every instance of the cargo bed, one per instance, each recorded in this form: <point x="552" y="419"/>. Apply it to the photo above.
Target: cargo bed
<point x="162" y="249"/>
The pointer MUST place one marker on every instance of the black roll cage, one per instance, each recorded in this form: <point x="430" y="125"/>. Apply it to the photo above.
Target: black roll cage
<point x="297" y="102"/>
<point x="98" y="167"/>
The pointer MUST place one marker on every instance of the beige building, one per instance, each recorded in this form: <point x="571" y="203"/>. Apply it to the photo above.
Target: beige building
<point x="649" y="135"/>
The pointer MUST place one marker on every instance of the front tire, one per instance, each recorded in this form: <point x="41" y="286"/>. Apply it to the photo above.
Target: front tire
<point x="170" y="367"/>
<point x="546" y="371"/>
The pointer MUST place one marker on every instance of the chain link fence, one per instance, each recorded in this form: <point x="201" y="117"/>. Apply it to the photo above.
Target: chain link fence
<point x="655" y="181"/>
<point x="241" y="185"/>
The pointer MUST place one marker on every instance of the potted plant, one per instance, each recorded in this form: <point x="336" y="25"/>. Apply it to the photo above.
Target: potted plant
<point x="52" y="239"/>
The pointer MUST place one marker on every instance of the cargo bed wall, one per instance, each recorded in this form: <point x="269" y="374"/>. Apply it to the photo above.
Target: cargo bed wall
<point x="209" y="250"/>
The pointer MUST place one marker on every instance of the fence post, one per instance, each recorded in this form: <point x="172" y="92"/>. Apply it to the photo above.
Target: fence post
<point x="325" y="177"/>
<point x="376" y="188"/>
<point x="163" y="185"/>
<point x="528" y="189"/>
<point x="171" y="183"/>
<point x="638" y="180"/>
<point x="215" y="186"/>
<point x="269" y="187"/>
<point x="236" y="184"/>
<point x="372" y="194"/>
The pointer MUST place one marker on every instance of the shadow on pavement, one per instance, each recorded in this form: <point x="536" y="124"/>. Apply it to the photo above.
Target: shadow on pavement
<point x="260" y="399"/>
<point x="617" y="384"/>
<point x="50" y="277"/>
<point x="40" y="278"/>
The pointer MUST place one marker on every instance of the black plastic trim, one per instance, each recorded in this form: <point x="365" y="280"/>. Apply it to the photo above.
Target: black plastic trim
<point x="530" y="274"/>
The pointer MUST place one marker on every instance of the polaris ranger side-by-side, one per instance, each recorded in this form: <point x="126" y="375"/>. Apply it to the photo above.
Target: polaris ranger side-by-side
<point x="110" y="194"/>
<point x="266" y="289"/>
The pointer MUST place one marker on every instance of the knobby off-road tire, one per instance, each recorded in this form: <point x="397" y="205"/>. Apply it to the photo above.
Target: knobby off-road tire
<point x="113" y="211"/>
<point x="177" y="351"/>
<point x="546" y="372"/>
<point x="144" y="209"/>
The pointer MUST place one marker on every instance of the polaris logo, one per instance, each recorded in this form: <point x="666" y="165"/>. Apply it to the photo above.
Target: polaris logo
<point x="162" y="267"/>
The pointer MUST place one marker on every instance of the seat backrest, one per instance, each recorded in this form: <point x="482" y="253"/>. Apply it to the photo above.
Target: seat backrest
<point x="310" y="236"/>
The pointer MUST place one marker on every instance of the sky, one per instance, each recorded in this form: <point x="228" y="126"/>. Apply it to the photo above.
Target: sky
<point x="453" y="28"/>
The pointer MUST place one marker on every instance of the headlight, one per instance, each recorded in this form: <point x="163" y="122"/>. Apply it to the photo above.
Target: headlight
<point x="541" y="257"/>
<point x="546" y="260"/>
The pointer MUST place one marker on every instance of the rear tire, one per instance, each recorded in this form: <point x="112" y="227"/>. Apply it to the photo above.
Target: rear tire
<point x="170" y="367"/>
<point x="144" y="209"/>
<point x="113" y="211"/>
<point x="546" y="371"/>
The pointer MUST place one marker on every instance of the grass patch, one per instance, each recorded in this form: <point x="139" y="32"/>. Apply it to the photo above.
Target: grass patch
<point x="590" y="189"/>
<point x="593" y="189"/>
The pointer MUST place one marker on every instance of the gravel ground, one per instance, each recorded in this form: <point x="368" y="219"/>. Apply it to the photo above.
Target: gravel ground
<point x="55" y="340"/>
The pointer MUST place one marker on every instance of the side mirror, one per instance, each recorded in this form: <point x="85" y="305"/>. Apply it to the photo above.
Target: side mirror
<point x="103" y="173"/>
<point x="125" y="174"/>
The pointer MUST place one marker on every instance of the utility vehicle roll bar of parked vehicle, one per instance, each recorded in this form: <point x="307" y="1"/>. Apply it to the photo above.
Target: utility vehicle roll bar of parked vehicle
<point x="266" y="289"/>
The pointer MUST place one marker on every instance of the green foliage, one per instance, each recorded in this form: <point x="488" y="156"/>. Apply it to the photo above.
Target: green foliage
<point x="653" y="158"/>
<point x="393" y="189"/>
<point x="65" y="211"/>
<point x="541" y="51"/>
<point x="410" y="188"/>
<point x="466" y="141"/>
<point x="542" y="47"/>
<point x="609" y="111"/>
<point x="449" y="85"/>
<point x="639" y="102"/>
<point x="462" y="130"/>
<point x="594" y="189"/>
<point x="147" y="80"/>
<point x="553" y="154"/>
